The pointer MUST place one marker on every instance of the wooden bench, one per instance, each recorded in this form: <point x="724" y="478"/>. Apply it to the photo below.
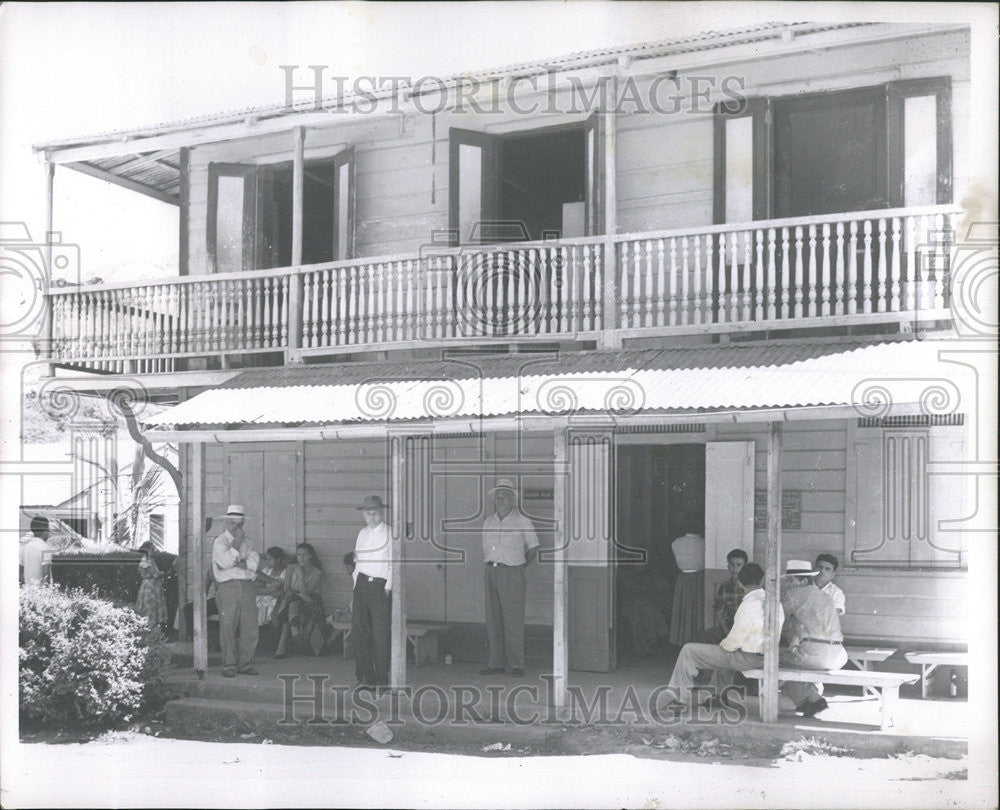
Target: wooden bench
<point x="423" y="636"/>
<point x="864" y="657"/>
<point x="929" y="661"/>
<point x="887" y="683"/>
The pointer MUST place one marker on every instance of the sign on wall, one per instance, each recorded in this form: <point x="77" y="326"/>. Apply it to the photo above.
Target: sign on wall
<point x="791" y="510"/>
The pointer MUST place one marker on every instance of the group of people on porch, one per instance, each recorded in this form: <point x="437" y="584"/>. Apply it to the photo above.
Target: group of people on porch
<point x="808" y="622"/>
<point x="251" y="592"/>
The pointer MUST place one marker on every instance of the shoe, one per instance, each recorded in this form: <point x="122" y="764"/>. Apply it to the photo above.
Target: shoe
<point x="229" y="672"/>
<point x="248" y="670"/>
<point x="279" y="656"/>
<point x="814" y="707"/>
<point x="491" y="671"/>
<point x="517" y="672"/>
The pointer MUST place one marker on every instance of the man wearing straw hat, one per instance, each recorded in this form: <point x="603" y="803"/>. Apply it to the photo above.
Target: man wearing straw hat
<point x="813" y="634"/>
<point x="509" y="546"/>
<point x="371" y="616"/>
<point x="234" y="567"/>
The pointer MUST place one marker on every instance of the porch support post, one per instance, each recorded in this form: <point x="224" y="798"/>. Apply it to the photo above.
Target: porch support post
<point x="610" y="338"/>
<point x="397" y="664"/>
<point x="560" y="615"/>
<point x="183" y="555"/>
<point x="196" y="533"/>
<point x="295" y="282"/>
<point x="47" y="313"/>
<point x="772" y="581"/>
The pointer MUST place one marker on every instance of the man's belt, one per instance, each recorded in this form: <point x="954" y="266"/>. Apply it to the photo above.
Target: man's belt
<point x="373" y="579"/>
<point x="822" y="641"/>
<point x="502" y="565"/>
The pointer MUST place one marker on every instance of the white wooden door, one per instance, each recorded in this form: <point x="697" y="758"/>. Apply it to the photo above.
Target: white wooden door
<point x="729" y="473"/>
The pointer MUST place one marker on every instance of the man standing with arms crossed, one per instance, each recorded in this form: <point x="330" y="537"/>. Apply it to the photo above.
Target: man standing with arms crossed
<point x="510" y="544"/>
<point x="234" y="566"/>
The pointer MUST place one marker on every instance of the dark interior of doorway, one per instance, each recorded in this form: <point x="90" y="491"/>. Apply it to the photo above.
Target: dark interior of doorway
<point x="661" y="495"/>
<point x="538" y="173"/>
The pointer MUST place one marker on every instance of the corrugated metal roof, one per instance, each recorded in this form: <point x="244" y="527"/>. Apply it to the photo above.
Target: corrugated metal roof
<point x="703" y="41"/>
<point x="653" y="381"/>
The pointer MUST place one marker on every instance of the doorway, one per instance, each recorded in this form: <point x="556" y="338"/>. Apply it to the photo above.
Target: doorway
<point x="661" y="495"/>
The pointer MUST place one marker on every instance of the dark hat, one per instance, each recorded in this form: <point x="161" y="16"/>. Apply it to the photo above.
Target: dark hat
<point x="373" y="502"/>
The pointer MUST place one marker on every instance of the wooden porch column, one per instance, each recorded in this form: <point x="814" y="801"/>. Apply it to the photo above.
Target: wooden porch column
<point x="610" y="338"/>
<point x="295" y="282"/>
<point x="560" y="616"/>
<point x="47" y="314"/>
<point x="183" y="532"/>
<point x="772" y="580"/>
<point x="397" y="497"/>
<point x="197" y="531"/>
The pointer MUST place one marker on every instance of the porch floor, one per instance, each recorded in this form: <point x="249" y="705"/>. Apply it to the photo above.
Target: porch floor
<point x="926" y="726"/>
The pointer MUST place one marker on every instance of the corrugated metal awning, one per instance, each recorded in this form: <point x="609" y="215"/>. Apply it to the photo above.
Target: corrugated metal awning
<point x="870" y="377"/>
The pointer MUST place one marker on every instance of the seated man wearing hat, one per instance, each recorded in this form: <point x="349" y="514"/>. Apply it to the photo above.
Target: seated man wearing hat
<point x="509" y="546"/>
<point x="812" y="634"/>
<point x="742" y="649"/>
<point x="234" y="568"/>
<point x="371" y="617"/>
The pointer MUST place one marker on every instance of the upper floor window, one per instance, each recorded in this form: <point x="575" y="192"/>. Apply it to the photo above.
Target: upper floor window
<point x="849" y="150"/>
<point x="526" y="186"/>
<point x="251" y="210"/>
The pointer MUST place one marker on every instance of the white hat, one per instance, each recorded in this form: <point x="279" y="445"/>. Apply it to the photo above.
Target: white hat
<point x="235" y="510"/>
<point x="799" y="568"/>
<point x="504" y="483"/>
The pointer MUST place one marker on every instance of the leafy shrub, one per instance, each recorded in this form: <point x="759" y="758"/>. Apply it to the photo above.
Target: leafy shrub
<point x="84" y="661"/>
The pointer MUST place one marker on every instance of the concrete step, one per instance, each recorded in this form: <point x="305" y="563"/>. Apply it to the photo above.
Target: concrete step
<point x="201" y="711"/>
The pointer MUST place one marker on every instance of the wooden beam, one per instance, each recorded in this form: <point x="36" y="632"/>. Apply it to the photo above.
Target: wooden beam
<point x="183" y="533"/>
<point x="560" y="593"/>
<point x="183" y="246"/>
<point x="50" y="179"/>
<point x="397" y="666"/>
<point x="131" y="185"/>
<point x="295" y="282"/>
<point x="196" y="534"/>
<point x="772" y="580"/>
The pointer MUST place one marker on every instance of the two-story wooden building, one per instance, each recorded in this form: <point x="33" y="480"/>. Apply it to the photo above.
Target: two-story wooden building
<point x="703" y="283"/>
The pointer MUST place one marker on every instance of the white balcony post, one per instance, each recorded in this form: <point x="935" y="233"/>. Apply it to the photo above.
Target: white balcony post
<point x="295" y="303"/>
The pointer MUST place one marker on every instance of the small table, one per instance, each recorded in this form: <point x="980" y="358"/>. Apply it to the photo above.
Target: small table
<point x="864" y="657"/>
<point x="929" y="661"/>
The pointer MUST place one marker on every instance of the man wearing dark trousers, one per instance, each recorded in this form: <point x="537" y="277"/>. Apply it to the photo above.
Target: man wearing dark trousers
<point x="371" y="616"/>
<point x="509" y="545"/>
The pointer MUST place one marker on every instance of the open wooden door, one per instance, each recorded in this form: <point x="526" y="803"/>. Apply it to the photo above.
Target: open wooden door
<point x="596" y="176"/>
<point x="589" y="517"/>
<point x="473" y="187"/>
<point x="265" y="483"/>
<point x="729" y="474"/>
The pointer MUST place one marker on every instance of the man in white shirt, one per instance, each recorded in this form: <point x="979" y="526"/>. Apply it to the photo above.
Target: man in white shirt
<point x="510" y="544"/>
<point x="742" y="649"/>
<point x="234" y="568"/>
<point x="827" y="566"/>
<point x="35" y="553"/>
<point x="371" y="616"/>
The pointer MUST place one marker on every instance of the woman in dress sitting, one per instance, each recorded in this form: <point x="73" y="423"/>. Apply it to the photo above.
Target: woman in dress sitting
<point x="299" y="611"/>
<point x="270" y="583"/>
<point x="151" y="601"/>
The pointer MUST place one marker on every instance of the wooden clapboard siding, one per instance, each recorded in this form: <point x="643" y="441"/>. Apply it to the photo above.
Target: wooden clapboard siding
<point x="338" y="476"/>
<point x="905" y="606"/>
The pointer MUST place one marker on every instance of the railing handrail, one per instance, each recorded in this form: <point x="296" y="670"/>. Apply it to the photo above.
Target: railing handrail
<point x="447" y="250"/>
<point x="790" y="222"/>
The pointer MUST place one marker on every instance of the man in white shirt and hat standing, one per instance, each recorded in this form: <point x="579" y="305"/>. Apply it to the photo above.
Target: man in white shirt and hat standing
<point x="510" y="544"/>
<point x="234" y="567"/>
<point x="371" y="609"/>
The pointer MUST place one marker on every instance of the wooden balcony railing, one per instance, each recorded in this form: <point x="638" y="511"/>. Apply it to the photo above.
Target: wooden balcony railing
<point x="873" y="266"/>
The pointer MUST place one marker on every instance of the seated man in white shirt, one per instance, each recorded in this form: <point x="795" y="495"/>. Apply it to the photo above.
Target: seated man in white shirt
<point x="827" y="566"/>
<point x="742" y="649"/>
